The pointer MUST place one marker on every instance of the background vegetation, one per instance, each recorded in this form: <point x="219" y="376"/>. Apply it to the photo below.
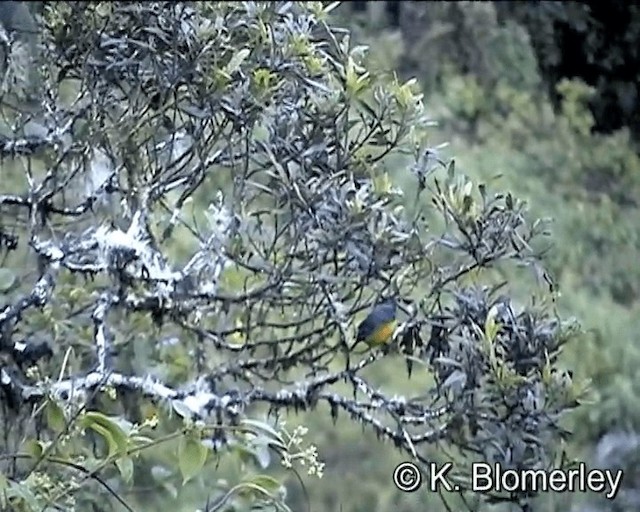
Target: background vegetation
<point x="495" y="78"/>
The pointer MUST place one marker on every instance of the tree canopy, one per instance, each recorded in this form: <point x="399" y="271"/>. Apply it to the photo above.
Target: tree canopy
<point x="201" y="206"/>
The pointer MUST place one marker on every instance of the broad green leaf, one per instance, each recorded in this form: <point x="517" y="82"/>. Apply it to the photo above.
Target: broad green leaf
<point x="182" y="410"/>
<point x="192" y="455"/>
<point x="34" y="448"/>
<point x="260" y="133"/>
<point x="258" y="426"/>
<point x="93" y="419"/>
<point x="7" y="279"/>
<point x="55" y="416"/>
<point x="269" y="484"/>
<point x="262" y="454"/>
<point x="250" y="490"/>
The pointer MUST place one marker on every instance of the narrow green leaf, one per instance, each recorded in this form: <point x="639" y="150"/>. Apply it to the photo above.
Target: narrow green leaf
<point x="448" y="361"/>
<point x="451" y="169"/>
<point x="125" y="466"/>
<point x="4" y="485"/>
<point x="331" y="7"/>
<point x="237" y="60"/>
<point x="171" y="489"/>
<point x="106" y="434"/>
<point x="491" y="327"/>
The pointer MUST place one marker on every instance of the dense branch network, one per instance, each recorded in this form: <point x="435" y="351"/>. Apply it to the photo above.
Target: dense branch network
<point x="261" y="113"/>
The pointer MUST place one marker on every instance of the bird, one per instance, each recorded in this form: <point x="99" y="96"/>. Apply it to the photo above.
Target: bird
<point x="377" y="329"/>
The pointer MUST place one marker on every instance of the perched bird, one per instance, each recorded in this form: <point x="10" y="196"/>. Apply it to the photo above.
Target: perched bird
<point x="379" y="325"/>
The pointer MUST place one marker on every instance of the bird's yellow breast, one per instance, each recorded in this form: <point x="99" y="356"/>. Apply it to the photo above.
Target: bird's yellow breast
<point x="382" y="334"/>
